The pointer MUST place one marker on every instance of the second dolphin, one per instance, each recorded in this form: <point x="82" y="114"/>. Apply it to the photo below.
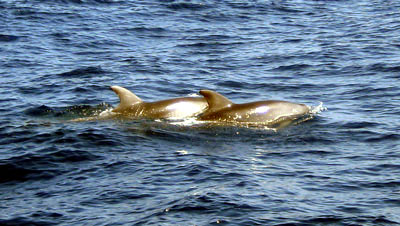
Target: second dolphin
<point x="272" y="113"/>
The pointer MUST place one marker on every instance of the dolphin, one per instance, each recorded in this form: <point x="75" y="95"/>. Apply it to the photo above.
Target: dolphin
<point x="271" y="113"/>
<point x="177" y="108"/>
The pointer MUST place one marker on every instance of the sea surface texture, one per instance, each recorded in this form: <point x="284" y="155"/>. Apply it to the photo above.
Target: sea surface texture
<point x="58" y="59"/>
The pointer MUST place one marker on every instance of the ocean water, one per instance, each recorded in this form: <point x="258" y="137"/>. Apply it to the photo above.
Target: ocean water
<point x="59" y="57"/>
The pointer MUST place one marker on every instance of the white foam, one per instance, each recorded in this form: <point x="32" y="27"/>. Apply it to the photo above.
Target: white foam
<point x="107" y="113"/>
<point x="194" y="95"/>
<point x="318" y="109"/>
<point x="187" y="122"/>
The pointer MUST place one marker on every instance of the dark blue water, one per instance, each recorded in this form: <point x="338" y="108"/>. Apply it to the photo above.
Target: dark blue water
<point x="59" y="57"/>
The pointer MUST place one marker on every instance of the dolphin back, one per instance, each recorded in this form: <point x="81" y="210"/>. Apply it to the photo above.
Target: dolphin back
<point x="176" y="108"/>
<point x="269" y="112"/>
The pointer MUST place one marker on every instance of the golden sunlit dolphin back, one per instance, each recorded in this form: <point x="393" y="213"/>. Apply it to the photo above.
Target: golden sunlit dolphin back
<point x="269" y="113"/>
<point x="176" y="108"/>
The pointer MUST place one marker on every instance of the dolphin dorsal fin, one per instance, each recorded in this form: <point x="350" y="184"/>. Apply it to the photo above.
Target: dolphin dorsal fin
<point x="126" y="97"/>
<point x="215" y="100"/>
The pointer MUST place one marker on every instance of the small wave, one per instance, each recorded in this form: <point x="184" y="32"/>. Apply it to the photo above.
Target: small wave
<point x="210" y="45"/>
<point x="114" y="197"/>
<point x="187" y="6"/>
<point x="8" y="38"/>
<point x="16" y="173"/>
<point x="384" y="167"/>
<point x="285" y="8"/>
<point x="369" y="90"/>
<point x="293" y="67"/>
<point x="292" y="40"/>
<point x="211" y="38"/>
<point x="207" y="202"/>
<point x="93" y="137"/>
<point x="381" y="67"/>
<point x="360" y="125"/>
<point x="337" y="220"/>
<point x="233" y="84"/>
<point x="83" y="1"/>
<point x="84" y="71"/>
<point x="384" y="137"/>
<point x="39" y="111"/>
<point x="25" y="169"/>
<point x="149" y="29"/>
<point x="45" y="166"/>
<point x="42" y="214"/>
<point x="25" y="221"/>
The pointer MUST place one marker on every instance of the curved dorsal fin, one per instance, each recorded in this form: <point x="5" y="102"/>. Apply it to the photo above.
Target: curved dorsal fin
<point x="215" y="100"/>
<point x="126" y="98"/>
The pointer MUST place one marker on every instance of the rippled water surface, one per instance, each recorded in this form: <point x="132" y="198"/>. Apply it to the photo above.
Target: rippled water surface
<point x="58" y="59"/>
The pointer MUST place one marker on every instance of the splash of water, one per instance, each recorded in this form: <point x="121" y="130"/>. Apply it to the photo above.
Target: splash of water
<point x="318" y="109"/>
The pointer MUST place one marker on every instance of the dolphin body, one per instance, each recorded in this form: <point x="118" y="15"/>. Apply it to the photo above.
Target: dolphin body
<point x="271" y="113"/>
<point x="176" y="108"/>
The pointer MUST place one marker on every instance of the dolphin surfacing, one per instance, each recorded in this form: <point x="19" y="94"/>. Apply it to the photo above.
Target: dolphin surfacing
<point x="177" y="108"/>
<point x="272" y="113"/>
